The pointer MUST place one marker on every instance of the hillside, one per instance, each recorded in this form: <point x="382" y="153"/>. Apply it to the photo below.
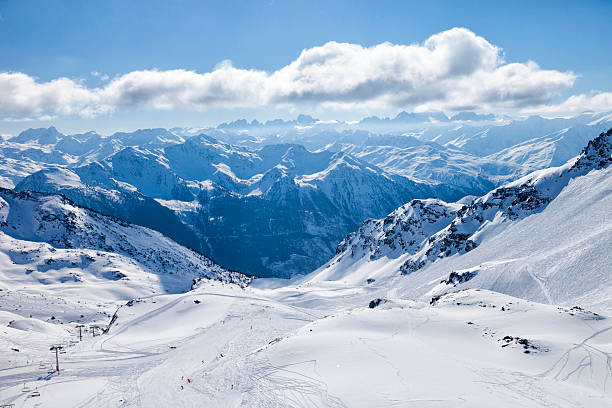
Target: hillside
<point x="511" y="240"/>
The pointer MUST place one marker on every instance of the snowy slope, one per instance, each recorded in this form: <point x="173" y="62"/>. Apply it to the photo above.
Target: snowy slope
<point x="50" y="240"/>
<point x="63" y="265"/>
<point x="93" y="187"/>
<point x="430" y="161"/>
<point x="475" y="349"/>
<point x="483" y="140"/>
<point x="222" y="346"/>
<point x="528" y="238"/>
<point x="558" y="256"/>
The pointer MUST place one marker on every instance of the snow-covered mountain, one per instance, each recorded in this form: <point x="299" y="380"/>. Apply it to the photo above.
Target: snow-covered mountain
<point x="229" y="201"/>
<point x="510" y="240"/>
<point x="224" y="194"/>
<point x="410" y="157"/>
<point x="47" y="239"/>
<point x="468" y="151"/>
<point x="36" y="149"/>
<point x="92" y="187"/>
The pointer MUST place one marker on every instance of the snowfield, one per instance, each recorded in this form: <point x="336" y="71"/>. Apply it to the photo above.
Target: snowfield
<point x="262" y="348"/>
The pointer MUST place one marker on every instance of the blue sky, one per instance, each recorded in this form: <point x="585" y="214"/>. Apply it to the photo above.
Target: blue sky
<point x="47" y="40"/>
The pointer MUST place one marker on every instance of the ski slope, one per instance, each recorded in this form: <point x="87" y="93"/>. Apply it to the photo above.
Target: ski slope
<point x="259" y="347"/>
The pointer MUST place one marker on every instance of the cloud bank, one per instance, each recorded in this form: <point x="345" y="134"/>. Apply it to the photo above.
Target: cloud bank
<point x="452" y="70"/>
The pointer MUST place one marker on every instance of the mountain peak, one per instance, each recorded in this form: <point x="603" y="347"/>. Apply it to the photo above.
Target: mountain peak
<point x="306" y="120"/>
<point x="48" y="135"/>
<point x="597" y="153"/>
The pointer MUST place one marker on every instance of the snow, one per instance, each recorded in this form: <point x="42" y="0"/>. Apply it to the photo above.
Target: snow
<point x="558" y="256"/>
<point x="518" y="318"/>
<point x="264" y="347"/>
<point x="544" y="237"/>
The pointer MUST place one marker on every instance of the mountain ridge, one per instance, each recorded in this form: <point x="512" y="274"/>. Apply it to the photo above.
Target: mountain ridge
<point x="409" y="247"/>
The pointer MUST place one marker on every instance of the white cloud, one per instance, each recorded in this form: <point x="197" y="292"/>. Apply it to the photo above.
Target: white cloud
<point x="226" y="86"/>
<point x="451" y="70"/>
<point x="22" y="95"/>
<point x="596" y="102"/>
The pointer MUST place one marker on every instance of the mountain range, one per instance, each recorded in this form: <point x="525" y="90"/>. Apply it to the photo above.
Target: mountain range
<point x="497" y="297"/>
<point x="255" y="200"/>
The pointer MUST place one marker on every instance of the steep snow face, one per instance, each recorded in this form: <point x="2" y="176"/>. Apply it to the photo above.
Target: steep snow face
<point x="552" y="149"/>
<point x="383" y="248"/>
<point x="560" y="255"/>
<point x="28" y="217"/>
<point x="459" y="235"/>
<point x="403" y="231"/>
<point x="361" y="190"/>
<point x="150" y="173"/>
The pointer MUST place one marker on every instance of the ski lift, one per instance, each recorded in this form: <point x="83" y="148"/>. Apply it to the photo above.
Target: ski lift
<point x="25" y="388"/>
<point x="34" y="393"/>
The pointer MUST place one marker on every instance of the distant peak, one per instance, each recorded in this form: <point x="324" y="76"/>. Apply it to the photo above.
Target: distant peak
<point x="306" y="120"/>
<point x="202" y="137"/>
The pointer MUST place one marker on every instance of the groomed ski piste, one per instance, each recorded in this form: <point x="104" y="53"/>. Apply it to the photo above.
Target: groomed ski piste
<point x="520" y="320"/>
<point x="222" y="346"/>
